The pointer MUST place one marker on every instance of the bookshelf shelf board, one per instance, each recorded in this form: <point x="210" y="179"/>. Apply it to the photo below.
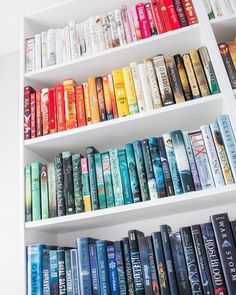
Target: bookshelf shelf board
<point x="136" y="212"/>
<point x="104" y="62"/>
<point x="224" y="28"/>
<point x="223" y="19"/>
<point x="117" y="132"/>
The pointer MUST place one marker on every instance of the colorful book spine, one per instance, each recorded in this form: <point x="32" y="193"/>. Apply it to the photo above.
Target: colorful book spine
<point x="101" y="99"/>
<point x="93" y="100"/>
<point x="180" y="12"/>
<point x="107" y="97"/>
<point x="113" y="97"/>
<point x="45" y="111"/>
<point x="60" y="103"/>
<point x="190" y="12"/>
<point x="44" y="191"/>
<point x="77" y="182"/>
<point x="120" y="268"/>
<point x="145" y="86"/>
<point x="136" y="23"/>
<point x="36" y="192"/>
<point x="106" y="167"/>
<point x="54" y="272"/>
<point x="61" y="207"/>
<point x="232" y="50"/>
<point x="69" y="284"/>
<point x="125" y="20"/>
<point x="164" y="14"/>
<point x="131" y="25"/>
<point x="39" y="130"/>
<point x="75" y="271"/>
<point x="28" y="194"/>
<point x="33" y="114"/>
<point x="94" y="269"/>
<point x="174" y="21"/>
<point x="157" y="16"/>
<point x="143" y="20"/>
<point x="229" y="65"/>
<point x="138" y="87"/>
<point x="52" y="111"/>
<point x="61" y="271"/>
<point x="70" y="104"/>
<point x="151" y="19"/>
<point x="80" y="107"/>
<point x="113" y="274"/>
<point x="87" y="104"/>
<point x="128" y="266"/>
<point x="92" y="177"/>
<point x="100" y="181"/>
<point x="85" y="185"/>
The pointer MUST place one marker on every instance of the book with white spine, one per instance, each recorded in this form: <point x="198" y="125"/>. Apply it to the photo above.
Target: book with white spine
<point x="101" y="36"/>
<point x="82" y="39"/>
<point x="131" y="25"/>
<point x="216" y="7"/>
<point x="38" y="52"/>
<point x="226" y="7"/>
<point x="125" y="20"/>
<point x="94" y="34"/>
<point x="114" y="31"/>
<point x="30" y="54"/>
<point x="51" y="41"/>
<point x="145" y="86"/>
<point x="73" y="39"/>
<point x="44" y="48"/>
<point x="107" y="30"/>
<point x="68" y="49"/>
<point x="120" y="27"/>
<point x="63" y="45"/>
<point x="138" y="87"/>
<point x="58" y="45"/>
<point x="77" y="28"/>
<point x="87" y="35"/>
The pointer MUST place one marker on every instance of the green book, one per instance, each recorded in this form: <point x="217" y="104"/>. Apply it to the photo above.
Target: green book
<point x="52" y="195"/>
<point x="77" y="180"/>
<point x="116" y="178"/>
<point x="100" y="181"/>
<point x="36" y="195"/>
<point x="92" y="177"/>
<point x="108" y="180"/>
<point x="44" y="191"/>
<point x="28" y="194"/>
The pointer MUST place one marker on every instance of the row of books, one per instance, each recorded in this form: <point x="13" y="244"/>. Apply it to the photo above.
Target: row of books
<point x="158" y="81"/>
<point x="218" y="8"/>
<point x="106" y="31"/>
<point x="228" y="54"/>
<point x="172" y="164"/>
<point x="198" y="259"/>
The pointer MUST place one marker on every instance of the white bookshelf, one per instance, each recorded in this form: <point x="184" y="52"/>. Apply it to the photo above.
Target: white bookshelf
<point x="114" y="223"/>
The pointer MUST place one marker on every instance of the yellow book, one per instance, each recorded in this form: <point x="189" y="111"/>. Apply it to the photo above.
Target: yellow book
<point x="93" y="100"/>
<point x="121" y="98"/>
<point x="232" y="51"/>
<point x="130" y="90"/>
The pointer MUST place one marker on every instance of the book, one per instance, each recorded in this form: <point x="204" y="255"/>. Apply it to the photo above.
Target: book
<point x="157" y="17"/>
<point x="208" y="9"/>
<point x="113" y="274"/>
<point x="107" y="31"/>
<point x="190" y="12"/>
<point x="174" y="21"/>
<point x="87" y="104"/>
<point x="120" y="267"/>
<point x="28" y="194"/>
<point x="45" y="111"/>
<point x="60" y="103"/>
<point x="101" y="99"/>
<point x="80" y="106"/>
<point x="106" y="167"/>
<point x="228" y="62"/>
<point x="70" y="103"/>
<point x="73" y="39"/>
<point x="75" y="271"/>
<point x="39" y="130"/>
<point x="52" y="111"/>
<point x="94" y="268"/>
<point x="114" y="30"/>
<point x="151" y="19"/>
<point x="100" y="32"/>
<point x="77" y="183"/>
<point x="136" y="23"/>
<point x="93" y="100"/>
<point x="131" y="25"/>
<point x="164" y="15"/>
<point x="61" y="207"/>
<point x="107" y="98"/>
<point x="44" y="191"/>
<point x="128" y="266"/>
<point x="232" y="50"/>
<point x="69" y="283"/>
<point x="92" y="177"/>
<point x="61" y="271"/>
<point x="113" y="97"/>
<point x="36" y="191"/>
<point x="125" y="20"/>
<point x="30" y="54"/>
<point x="85" y="185"/>
<point x="33" y="114"/>
<point x="233" y="227"/>
<point x="94" y="35"/>
<point x="180" y="13"/>
<point x="54" y="283"/>
<point x="216" y="7"/>
<point x="145" y="86"/>
<point x="35" y="277"/>
<point x="120" y="26"/>
<point x="143" y="20"/>
<point x="44" y="47"/>
<point x="100" y="181"/>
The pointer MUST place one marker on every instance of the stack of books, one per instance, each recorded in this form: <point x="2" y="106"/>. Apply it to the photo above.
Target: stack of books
<point x="172" y="164"/>
<point x="219" y="8"/>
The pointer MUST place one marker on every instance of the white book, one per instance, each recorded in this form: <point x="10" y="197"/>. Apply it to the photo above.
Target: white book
<point x="226" y="7"/>
<point x="131" y="25"/>
<point x="44" y="47"/>
<point x="145" y="86"/>
<point x="216" y="7"/>
<point x="51" y="41"/>
<point x="87" y="34"/>
<point x="207" y="6"/>
<point x="125" y="20"/>
<point x="82" y="39"/>
<point x="77" y="27"/>
<point x="114" y="31"/>
<point x="73" y="39"/>
<point x="63" y="46"/>
<point x="94" y="34"/>
<point x="120" y="27"/>
<point x="58" y="45"/>
<point x="30" y="54"/>
<point x="38" y="52"/>
<point x="107" y="31"/>
<point x="68" y="49"/>
<point x="101" y="36"/>
<point x="138" y="87"/>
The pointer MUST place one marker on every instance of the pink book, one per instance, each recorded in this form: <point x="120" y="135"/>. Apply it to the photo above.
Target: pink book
<point x="131" y="25"/>
<point x="143" y="20"/>
<point x="136" y="23"/>
<point x="124" y="16"/>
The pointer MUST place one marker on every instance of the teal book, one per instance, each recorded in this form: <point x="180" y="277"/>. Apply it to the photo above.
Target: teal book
<point x="116" y="178"/>
<point x="44" y="191"/>
<point x="36" y="192"/>
<point x="133" y="174"/>
<point x="77" y="181"/>
<point x="52" y="194"/>
<point x="124" y="173"/>
<point x="100" y="181"/>
<point x="92" y="177"/>
<point x="106" y="167"/>
<point x="141" y="170"/>
<point x="28" y="194"/>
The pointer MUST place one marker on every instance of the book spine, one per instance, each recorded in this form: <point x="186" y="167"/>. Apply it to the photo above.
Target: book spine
<point x="221" y="152"/>
<point x="94" y="35"/>
<point x="134" y="181"/>
<point x="174" y="21"/>
<point x="68" y="183"/>
<point x="93" y="100"/>
<point x="175" y="174"/>
<point x="120" y="92"/>
<point x="231" y="71"/>
<point x="114" y="30"/>
<point x="80" y="106"/>
<point x="151" y="19"/>
<point x="131" y="25"/>
<point x="120" y="268"/>
<point x="216" y="7"/>
<point x="182" y="161"/>
<point x="125" y="180"/>
<point x="125" y="20"/>
<point x="58" y="45"/>
<point x="30" y="54"/>
<point x="180" y="12"/>
<point x="52" y="195"/>
<point x="92" y="178"/>
<point x="61" y="272"/>
<point x="164" y="14"/>
<point x="128" y="266"/>
<point x="233" y="227"/>
<point x="94" y="269"/>
<point x="27" y="112"/>
<point x="101" y="99"/>
<point x="28" y="194"/>
<point x="113" y="274"/>
<point x="33" y="114"/>
<point x="77" y="183"/>
<point x="143" y="181"/>
<point x="113" y="97"/>
<point x="191" y="261"/>
<point x="87" y="104"/>
<point x="51" y="47"/>
<point x="120" y="27"/>
<point x="130" y="90"/>
<point x="143" y="20"/>
<point x="61" y="207"/>
<point x="145" y="86"/>
<point x="75" y="272"/>
<point x="54" y="272"/>
<point x="228" y="137"/>
<point x="157" y="17"/>
<point x="106" y="167"/>
<point x="226" y="247"/>
<point x="213" y="259"/>
<point x="116" y="177"/>
<point x="69" y="284"/>
<point x="36" y="191"/>
<point x="70" y="104"/>
<point x="61" y="113"/>
<point x="39" y="130"/>
<point x="149" y="169"/>
<point x="45" y="111"/>
<point x="63" y="45"/>
<point x="107" y="97"/>
<point x="87" y="35"/>
<point x="138" y="87"/>
<point x="100" y="32"/>
<point x="208" y="9"/>
<point x="73" y="40"/>
<point x="165" y="167"/>
<point x="44" y="47"/>
<point x="174" y="79"/>
<point x="52" y="111"/>
<point x="85" y="185"/>
<point x="44" y="191"/>
<point x="136" y="23"/>
<point x="163" y="80"/>
<point x="232" y="50"/>
<point x="67" y="43"/>
<point x="100" y="181"/>
<point x="190" y="12"/>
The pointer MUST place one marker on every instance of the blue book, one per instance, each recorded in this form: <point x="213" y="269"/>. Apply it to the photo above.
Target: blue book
<point x="106" y="167"/>
<point x="84" y="265"/>
<point x="35" y="273"/>
<point x="46" y="271"/>
<point x="124" y="173"/>
<point x="61" y="271"/>
<point x="228" y="137"/>
<point x="103" y="267"/>
<point x="94" y="269"/>
<point x="128" y="266"/>
<point x="92" y="177"/>
<point x="75" y="271"/>
<point x="69" y="284"/>
<point x="114" y="283"/>
<point x="120" y="267"/>
<point x="54" y="282"/>
<point x="157" y="167"/>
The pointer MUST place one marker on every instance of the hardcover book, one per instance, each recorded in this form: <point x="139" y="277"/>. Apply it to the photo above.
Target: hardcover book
<point x="107" y="97"/>
<point x="33" y="114"/>
<point x="106" y="167"/>
<point x="100" y="181"/>
<point x="120" y="267"/>
<point x="145" y="86"/>
<point x="128" y="266"/>
<point x="61" y="271"/>
<point x="44" y="191"/>
<point x="229" y="65"/>
<point x="69" y="283"/>
<point x="85" y="185"/>
<point x="75" y="271"/>
<point x="39" y="131"/>
<point x="52" y="194"/>
<point x="92" y="177"/>
<point x="143" y="20"/>
<point x="101" y="99"/>
<point x="70" y="103"/>
<point x="35" y="277"/>
<point x="45" y="111"/>
<point x="138" y="87"/>
<point x="77" y="182"/>
<point x="113" y="274"/>
<point x="180" y="12"/>
<point x="52" y="111"/>
<point x="94" y="268"/>
<point x="80" y="106"/>
<point x="60" y="103"/>
<point x="36" y="191"/>
<point x="93" y="100"/>
<point x="61" y="206"/>
<point x="54" y="283"/>
<point x="28" y="194"/>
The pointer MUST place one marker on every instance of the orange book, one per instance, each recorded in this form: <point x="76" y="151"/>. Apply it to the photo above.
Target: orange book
<point x="80" y="107"/>
<point x="70" y="107"/>
<point x="87" y="104"/>
<point x="45" y="111"/>
<point x="113" y="96"/>
<point x="93" y="100"/>
<point x="38" y="113"/>
<point x="60" y="106"/>
<point x="52" y="111"/>
<point x="107" y="97"/>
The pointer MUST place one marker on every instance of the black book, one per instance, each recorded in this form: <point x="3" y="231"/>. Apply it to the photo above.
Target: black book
<point x="213" y="259"/>
<point x="61" y="271"/>
<point x="92" y="177"/>
<point x="191" y="261"/>
<point x="165" y="231"/>
<point x="227" y="249"/>
<point x="202" y="260"/>
<point x="233" y="227"/>
<point x="61" y="207"/>
<point x="128" y="266"/>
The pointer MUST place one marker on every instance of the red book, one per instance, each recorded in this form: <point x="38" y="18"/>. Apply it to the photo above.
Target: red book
<point x="151" y="19"/>
<point x="113" y="97"/>
<point x="180" y="12"/>
<point x="164" y="14"/>
<point x="143" y="20"/>
<point x="33" y="114"/>
<point x="60" y="103"/>
<point x="101" y="99"/>
<point x="80" y="106"/>
<point x="27" y="111"/>
<point x="45" y="111"/>
<point x="52" y="111"/>
<point x="174" y="21"/>
<point x="190" y="12"/>
<point x="157" y="17"/>
<point x="38" y="113"/>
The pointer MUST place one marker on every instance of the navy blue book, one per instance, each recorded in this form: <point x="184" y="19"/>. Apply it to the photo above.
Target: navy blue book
<point x="92" y="177"/>
<point x="61" y="271"/>
<point x="146" y="268"/>
<point x="69" y="284"/>
<point x="120" y="267"/>
<point x="46" y="271"/>
<point x="94" y="269"/>
<point x="161" y="263"/>
<point x="128" y="266"/>
<point x="151" y="255"/>
<point x="103" y="266"/>
<point x="113" y="274"/>
<point x="84" y="265"/>
<point x="233" y="227"/>
<point x="202" y="260"/>
<point x="54" y="283"/>
<point x="75" y="271"/>
<point x="136" y="262"/>
<point x="165" y="232"/>
<point x="180" y="264"/>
